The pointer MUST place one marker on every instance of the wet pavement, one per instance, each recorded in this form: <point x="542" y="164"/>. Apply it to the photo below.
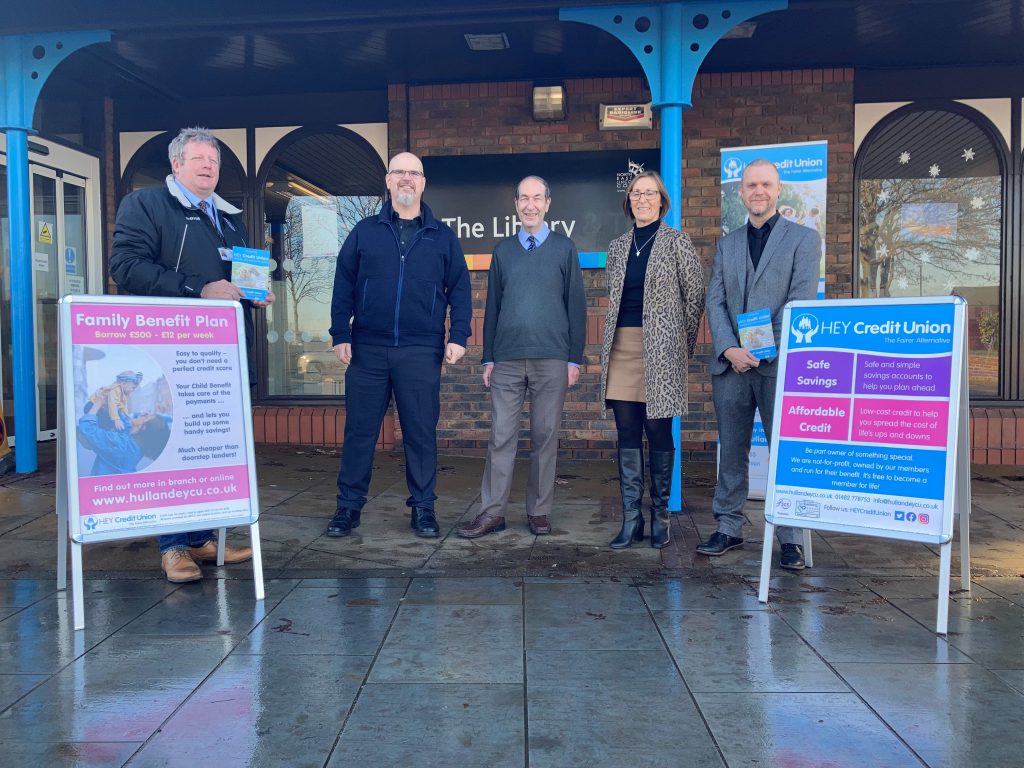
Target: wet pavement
<point x="382" y="649"/>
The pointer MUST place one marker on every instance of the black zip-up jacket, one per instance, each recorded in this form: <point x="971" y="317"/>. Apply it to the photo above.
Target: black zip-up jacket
<point x="396" y="299"/>
<point x="165" y="246"/>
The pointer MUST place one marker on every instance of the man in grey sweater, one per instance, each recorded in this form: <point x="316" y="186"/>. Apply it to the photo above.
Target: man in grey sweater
<point x="534" y="332"/>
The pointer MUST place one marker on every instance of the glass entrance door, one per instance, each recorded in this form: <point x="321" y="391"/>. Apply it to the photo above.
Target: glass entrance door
<point x="65" y="245"/>
<point x="46" y="285"/>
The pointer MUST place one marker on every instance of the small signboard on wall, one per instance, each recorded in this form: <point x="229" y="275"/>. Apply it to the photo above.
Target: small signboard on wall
<point x="625" y="117"/>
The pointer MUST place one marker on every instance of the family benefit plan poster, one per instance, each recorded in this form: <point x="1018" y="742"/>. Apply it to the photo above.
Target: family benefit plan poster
<point x="157" y="403"/>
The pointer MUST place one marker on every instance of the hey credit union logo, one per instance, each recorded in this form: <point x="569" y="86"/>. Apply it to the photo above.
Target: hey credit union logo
<point x="732" y="168"/>
<point x="804" y="328"/>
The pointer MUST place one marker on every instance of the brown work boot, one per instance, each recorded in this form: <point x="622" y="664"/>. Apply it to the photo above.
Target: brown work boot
<point x="179" y="567"/>
<point x="482" y="525"/>
<point x="539" y="525"/>
<point x="208" y="553"/>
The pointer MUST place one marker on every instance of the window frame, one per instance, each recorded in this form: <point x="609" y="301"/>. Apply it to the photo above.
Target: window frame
<point x="1009" y="386"/>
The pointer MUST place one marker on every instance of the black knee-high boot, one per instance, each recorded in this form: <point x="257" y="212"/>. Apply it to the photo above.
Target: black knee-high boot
<point x="631" y="486"/>
<point x="662" y="463"/>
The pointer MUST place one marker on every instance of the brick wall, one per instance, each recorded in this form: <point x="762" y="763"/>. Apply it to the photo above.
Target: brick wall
<point x="728" y="110"/>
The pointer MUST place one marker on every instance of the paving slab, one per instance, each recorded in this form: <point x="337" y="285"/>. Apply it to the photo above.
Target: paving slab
<point x="613" y="708"/>
<point x="434" y="726"/>
<point x="743" y="651"/>
<point x="210" y="607"/>
<point x="63" y="754"/>
<point x="801" y="730"/>
<point x="858" y="628"/>
<point x="121" y="692"/>
<point x="604" y="616"/>
<point x="990" y="631"/>
<point x="453" y="643"/>
<point x="327" y="620"/>
<point x="952" y="715"/>
<point x="474" y="590"/>
<point x="261" y="711"/>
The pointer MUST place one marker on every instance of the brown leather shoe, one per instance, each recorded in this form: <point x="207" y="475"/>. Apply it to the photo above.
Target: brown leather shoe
<point x="179" y="567"/>
<point x="539" y="525"/>
<point x="481" y="526"/>
<point x="208" y="553"/>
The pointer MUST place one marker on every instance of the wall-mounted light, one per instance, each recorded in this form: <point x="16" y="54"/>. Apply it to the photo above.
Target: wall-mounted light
<point x="497" y="41"/>
<point x="549" y="102"/>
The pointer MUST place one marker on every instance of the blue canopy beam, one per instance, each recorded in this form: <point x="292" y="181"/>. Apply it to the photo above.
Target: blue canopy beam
<point x="670" y="41"/>
<point x="26" y="61"/>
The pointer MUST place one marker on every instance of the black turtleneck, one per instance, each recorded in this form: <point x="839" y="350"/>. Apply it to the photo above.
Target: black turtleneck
<point x="631" y="309"/>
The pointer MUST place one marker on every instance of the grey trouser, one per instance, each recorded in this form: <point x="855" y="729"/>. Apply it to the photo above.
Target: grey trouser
<point x="737" y="396"/>
<point x="546" y="382"/>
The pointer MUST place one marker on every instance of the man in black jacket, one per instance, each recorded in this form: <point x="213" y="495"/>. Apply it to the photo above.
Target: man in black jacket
<point x="398" y="273"/>
<point x="176" y="240"/>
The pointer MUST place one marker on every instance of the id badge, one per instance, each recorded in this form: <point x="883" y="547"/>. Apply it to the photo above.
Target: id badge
<point x="225" y="254"/>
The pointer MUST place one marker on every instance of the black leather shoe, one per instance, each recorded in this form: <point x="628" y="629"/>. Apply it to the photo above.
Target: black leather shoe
<point x="343" y="522"/>
<point x="792" y="557"/>
<point x="719" y="544"/>
<point x="424" y="523"/>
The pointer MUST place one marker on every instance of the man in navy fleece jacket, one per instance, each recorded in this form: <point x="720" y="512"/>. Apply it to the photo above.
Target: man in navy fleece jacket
<point x="397" y="275"/>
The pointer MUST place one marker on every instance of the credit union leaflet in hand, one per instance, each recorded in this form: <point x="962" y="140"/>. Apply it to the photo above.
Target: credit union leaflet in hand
<point x="250" y="271"/>
<point x="755" y="333"/>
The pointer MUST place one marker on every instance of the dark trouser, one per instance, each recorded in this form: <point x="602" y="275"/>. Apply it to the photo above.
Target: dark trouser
<point x="737" y="396"/>
<point x="413" y="374"/>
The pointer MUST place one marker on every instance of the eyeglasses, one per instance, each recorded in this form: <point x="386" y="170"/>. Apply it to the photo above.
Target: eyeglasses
<point x="411" y="174"/>
<point x="650" y="194"/>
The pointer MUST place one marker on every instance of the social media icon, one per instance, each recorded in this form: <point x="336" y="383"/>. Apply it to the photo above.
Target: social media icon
<point x="911" y="517"/>
<point x="899" y="516"/>
<point x="923" y="518"/>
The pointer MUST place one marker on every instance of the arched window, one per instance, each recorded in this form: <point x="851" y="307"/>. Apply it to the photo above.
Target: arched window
<point x="150" y="166"/>
<point x="930" y="220"/>
<point x="317" y="184"/>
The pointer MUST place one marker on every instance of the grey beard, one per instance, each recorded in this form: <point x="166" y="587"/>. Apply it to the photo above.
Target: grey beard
<point x="405" y="198"/>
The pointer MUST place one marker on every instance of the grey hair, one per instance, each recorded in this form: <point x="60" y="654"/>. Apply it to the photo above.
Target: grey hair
<point x="547" y="189"/>
<point x="767" y="163"/>
<point x="176" y="149"/>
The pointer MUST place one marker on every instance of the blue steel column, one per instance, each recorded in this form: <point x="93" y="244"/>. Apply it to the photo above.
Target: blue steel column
<point x="675" y="98"/>
<point x="27" y="61"/>
<point x="670" y="41"/>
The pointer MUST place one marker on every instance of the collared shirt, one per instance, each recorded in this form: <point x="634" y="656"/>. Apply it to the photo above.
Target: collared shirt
<point x="195" y="199"/>
<point x="540" y="236"/>
<point x="406" y="229"/>
<point x="758" y="236"/>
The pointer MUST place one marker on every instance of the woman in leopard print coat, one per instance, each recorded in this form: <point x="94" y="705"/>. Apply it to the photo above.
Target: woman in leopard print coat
<point x="655" y="303"/>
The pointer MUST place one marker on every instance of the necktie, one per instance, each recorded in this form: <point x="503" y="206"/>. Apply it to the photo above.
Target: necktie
<point x="204" y="206"/>
<point x="531" y="243"/>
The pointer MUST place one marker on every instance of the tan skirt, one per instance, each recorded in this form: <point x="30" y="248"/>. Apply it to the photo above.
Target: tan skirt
<point x="626" y="366"/>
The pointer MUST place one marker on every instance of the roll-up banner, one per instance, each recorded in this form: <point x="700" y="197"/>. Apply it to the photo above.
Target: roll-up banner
<point x="803" y="169"/>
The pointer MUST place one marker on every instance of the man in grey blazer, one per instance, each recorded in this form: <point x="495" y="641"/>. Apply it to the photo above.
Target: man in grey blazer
<point x="762" y="265"/>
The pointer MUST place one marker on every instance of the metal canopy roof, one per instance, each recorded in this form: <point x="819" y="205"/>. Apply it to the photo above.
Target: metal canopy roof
<point x="238" y="49"/>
